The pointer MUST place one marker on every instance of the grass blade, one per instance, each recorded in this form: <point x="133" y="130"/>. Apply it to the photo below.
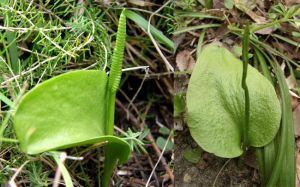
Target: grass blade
<point x="289" y="41"/>
<point x="6" y="100"/>
<point x="140" y="21"/>
<point x="9" y="140"/>
<point x="200" y="43"/>
<point x="200" y="15"/>
<point x="63" y="169"/>
<point x="283" y="171"/>
<point x="281" y="161"/>
<point x="263" y="65"/>
<point x="192" y="28"/>
<point x="266" y="154"/>
<point x="12" y="48"/>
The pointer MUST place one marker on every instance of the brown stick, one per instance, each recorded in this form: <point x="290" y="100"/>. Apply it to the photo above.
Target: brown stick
<point x="149" y="137"/>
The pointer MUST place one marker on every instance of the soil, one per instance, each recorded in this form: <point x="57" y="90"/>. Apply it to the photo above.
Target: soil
<point x="205" y="172"/>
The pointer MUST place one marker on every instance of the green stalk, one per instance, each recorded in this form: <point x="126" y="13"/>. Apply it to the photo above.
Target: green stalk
<point x="111" y="112"/>
<point x="110" y="161"/>
<point x="116" y="71"/>
<point x="109" y="165"/>
<point x="245" y="57"/>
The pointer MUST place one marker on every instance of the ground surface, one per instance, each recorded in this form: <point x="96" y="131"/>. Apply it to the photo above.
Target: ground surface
<point x="208" y="170"/>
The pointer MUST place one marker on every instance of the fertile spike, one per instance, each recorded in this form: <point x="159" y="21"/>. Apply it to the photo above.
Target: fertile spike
<point x="117" y="59"/>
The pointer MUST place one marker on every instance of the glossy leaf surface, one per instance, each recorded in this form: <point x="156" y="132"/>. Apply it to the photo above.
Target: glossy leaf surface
<point x="216" y="104"/>
<point x="65" y="111"/>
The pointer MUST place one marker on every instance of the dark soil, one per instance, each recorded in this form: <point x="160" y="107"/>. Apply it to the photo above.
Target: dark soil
<point x="205" y="172"/>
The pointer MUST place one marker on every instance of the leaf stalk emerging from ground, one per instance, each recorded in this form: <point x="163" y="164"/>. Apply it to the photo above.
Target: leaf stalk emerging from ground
<point x="245" y="59"/>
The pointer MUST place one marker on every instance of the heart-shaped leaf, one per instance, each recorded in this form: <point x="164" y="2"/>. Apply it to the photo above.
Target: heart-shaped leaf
<point x="65" y="111"/>
<point x="216" y="109"/>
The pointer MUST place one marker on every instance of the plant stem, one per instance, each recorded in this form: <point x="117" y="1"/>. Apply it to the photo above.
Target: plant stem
<point x="115" y="72"/>
<point x="113" y="84"/>
<point x="268" y="25"/>
<point x="111" y="112"/>
<point x="245" y="87"/>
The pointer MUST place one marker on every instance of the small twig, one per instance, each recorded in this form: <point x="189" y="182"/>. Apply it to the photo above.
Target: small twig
<point x="168" y="65"/>
<point x="80" y="3"/>
<point x="152" y="166"/>
<point x="50" y="13"/>
<point x="140" y="167"/>
<point x="139" y="89"/>
<point x="56" y="181"/>
<point x="160" y="157"/>
<point x="11" y="182"/>
<point x="139" y="55"/>
<point x="149" y="137"/>
<point x="215" y="181"/>
<point x="13" y="74"/>
<point x="28" y="71"/>
<point x="23" y="30"/>
<point x="146" y="68"/>
<point x="148" y="106"/>
<point x="42" y="32"/>
<point x="128" y="99"/>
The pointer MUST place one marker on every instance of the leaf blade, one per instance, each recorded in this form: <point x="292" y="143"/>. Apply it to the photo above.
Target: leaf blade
<point x="215" y="102"/>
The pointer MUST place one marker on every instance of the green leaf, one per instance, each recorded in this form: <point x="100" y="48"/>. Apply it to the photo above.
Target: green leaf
<point x="228" y="4"/>
<point x="215" y="102"/>
<point x="164" y="130"/>
<point x="161" y="142"/>
<point x="193" y="155"/>
<point x="65" y="111"/>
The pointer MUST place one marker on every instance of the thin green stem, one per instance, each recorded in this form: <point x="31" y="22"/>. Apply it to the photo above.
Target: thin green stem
<point x="111" y="112"/>
<point x="245" y="57"/>
<point x="267" y="25"/>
